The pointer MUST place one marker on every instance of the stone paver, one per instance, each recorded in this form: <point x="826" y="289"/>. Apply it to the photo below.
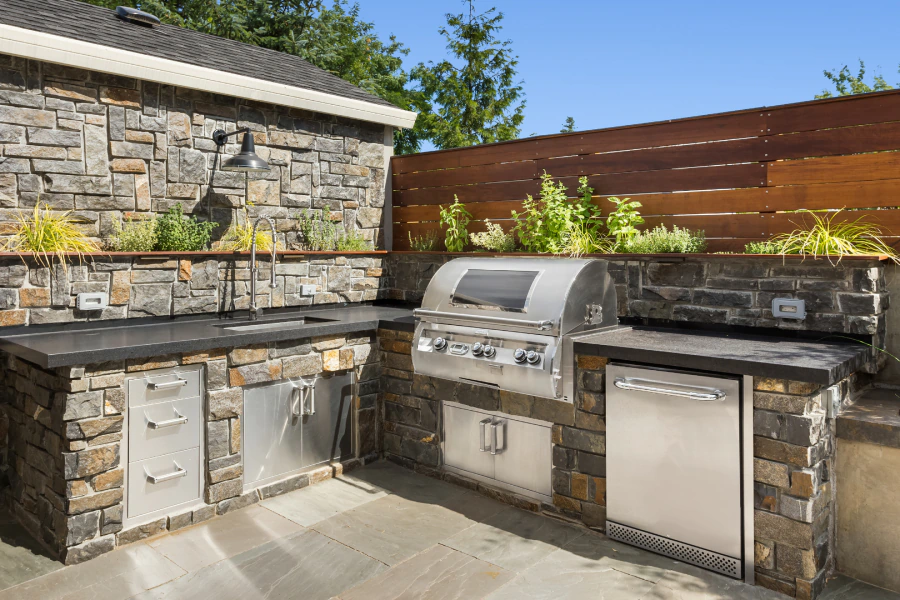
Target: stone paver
<point x="21" y="557"/>
<point x="197" y="547"/>
<point x="388" y="534"/>
<point x="439" y="572"/>
<point x="324" y="500"/>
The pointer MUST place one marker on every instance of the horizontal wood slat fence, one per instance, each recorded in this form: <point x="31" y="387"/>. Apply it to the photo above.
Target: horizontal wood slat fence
<point x="732" y="175"/>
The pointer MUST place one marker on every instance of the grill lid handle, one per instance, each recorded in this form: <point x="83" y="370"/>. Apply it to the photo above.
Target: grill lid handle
<point x="440" y="314"/>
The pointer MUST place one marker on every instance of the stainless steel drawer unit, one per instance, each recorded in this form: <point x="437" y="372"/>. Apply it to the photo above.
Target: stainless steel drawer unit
<point x="294" y="425"/>
<point x="510" y="322"/>
<point x="164" y="444"/>
<point x="508" y="452"/>
<point x="676" y="458"/>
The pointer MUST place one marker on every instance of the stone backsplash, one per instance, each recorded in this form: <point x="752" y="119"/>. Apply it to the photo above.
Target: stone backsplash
<point x="66" y="431"/>
<point x="32" y="294"/>
<point x="107" y="147"/>
<point x="849" y="297"/>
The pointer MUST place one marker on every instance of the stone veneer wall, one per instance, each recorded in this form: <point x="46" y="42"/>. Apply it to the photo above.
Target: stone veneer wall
<point x="107" y="146"/>
<point x="793" y="457"/>
<point x="66" y="478"/>
<point x="32" y="294"/>
<point x="850" y="297"/>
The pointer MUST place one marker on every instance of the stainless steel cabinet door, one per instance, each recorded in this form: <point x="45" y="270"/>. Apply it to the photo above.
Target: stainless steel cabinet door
<point x="673" y="462"/>
<point x="463" y="439"/>
<point x="272" y="434"/>
<point x="523" y="454"/>
<point x="327" y="434"/>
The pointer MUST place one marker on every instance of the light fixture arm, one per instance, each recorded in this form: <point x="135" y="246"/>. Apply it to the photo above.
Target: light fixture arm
<point x="220" y="137"/>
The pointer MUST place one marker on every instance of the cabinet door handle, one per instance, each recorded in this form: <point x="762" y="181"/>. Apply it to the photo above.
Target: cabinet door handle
<point x="482" y="429"/>
<point x="178" y="472"/>
<point x="179" y="420"/>
<point x="493" y="438"/>
<point x="311" y="395"/>
<point x="165" y="385"/>
<point x="296" y="401"/>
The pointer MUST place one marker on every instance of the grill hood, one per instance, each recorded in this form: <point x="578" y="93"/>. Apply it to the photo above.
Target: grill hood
<point x="509" y="304"/>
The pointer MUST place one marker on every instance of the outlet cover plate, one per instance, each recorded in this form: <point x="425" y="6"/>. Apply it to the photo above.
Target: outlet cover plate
<point x="788" y="308"/>
<point x="307" y="290"/>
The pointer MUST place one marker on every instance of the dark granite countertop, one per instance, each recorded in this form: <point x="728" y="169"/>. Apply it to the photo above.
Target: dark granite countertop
<point x="761" y="356"/>
<point x="874" y="419"/>
<point x="88" y="343"/>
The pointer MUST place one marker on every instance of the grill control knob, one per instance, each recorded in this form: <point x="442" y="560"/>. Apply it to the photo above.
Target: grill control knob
<point x="440" y="343"/>
<point x="533" y="357"/>
<point x="519" y="355"/>
<point x="477" y="349"/>
<point x="489" y="351"/>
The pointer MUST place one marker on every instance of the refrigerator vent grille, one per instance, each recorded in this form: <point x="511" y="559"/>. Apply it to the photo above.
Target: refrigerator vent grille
<point x="678" y="550"/>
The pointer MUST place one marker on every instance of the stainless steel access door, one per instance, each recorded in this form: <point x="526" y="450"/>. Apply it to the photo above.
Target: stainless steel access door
<point x="674" y="456"/>
<point x="327" y="434"/>
<point x="288" y="427"/>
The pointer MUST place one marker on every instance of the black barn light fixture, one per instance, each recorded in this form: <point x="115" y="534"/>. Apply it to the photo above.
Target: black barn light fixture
<point x="246" y="160"/>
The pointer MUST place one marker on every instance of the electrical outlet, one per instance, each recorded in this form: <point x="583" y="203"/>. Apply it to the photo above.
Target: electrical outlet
<point x="832" y="397"/>
<point x="307" y="290"/>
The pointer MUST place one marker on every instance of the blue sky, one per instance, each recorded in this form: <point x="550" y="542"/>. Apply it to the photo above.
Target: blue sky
<point x="618" y="63"/>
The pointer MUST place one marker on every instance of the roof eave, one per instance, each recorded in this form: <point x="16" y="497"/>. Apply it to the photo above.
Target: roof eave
<point x="95" y="57"/>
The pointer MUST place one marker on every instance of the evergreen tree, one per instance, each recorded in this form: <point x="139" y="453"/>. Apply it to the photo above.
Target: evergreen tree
<point x="473" y="97"/>
<point x="568" y="126"/>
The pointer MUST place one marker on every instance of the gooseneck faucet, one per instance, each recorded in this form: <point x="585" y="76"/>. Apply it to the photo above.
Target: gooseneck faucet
<point x="255" y="311"/>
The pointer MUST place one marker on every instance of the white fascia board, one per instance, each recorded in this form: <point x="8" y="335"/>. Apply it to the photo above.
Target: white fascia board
<point x="106" y="59"/>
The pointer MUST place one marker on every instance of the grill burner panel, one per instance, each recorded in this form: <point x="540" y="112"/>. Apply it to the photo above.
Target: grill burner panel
<point x="509" y="322"/>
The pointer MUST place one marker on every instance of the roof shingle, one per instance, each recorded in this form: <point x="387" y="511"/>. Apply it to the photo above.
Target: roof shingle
<point x="88" y="23"/>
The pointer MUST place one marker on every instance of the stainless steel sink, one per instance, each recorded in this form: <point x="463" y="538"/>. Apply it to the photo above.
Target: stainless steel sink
<point x="245" y="326"/>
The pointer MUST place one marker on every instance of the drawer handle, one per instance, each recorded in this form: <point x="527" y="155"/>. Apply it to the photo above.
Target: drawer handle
<point x="179" y="420"/>
<point x="165" y="385"/>
<point x="707" y="395"/>
<point x="178" y="472"/>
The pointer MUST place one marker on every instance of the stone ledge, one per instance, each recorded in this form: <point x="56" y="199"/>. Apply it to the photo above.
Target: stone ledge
<point x="874" y="419"/>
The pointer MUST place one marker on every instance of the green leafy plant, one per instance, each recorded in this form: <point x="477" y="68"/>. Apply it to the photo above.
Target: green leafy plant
<point x="426" y="242"/>
<point x="660" y="240"/>
<point x="316" y="232"/>
<point x="545" y="223"/>
<point x="456" y="218"/>
<point x="135" y="235"/>
<point x="829" y="236"/>
<point x="762" y="248"/>
<point x="494" y="239"/>
<point x="351" y="241"/>
<point x="622" y="222"/>
<point x="48" y="232"/>
<point x="175" y="233"/>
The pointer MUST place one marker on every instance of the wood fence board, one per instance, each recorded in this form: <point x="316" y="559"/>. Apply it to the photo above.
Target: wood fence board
<point x="514" y="171"/>
<point x="828" y="142"/>
<point x="720" y="177"/>
<point x="655" y="159"/>
<point x="766" y="225"/>
<point x="840" y="112"/>
<point x="859" y="167"/>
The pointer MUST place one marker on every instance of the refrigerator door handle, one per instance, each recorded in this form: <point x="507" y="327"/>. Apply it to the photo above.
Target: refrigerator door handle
<point x="482" y="429"/>
<point x="653" y="387"/>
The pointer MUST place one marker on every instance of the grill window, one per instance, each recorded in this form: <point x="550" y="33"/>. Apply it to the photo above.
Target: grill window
<point x="498" y="290"/>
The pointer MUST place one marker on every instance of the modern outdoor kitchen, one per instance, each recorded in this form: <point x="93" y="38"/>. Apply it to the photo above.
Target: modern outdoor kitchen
<point x="291" y="421"/>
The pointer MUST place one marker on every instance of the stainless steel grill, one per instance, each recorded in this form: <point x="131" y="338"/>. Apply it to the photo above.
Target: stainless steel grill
<point x="510" y="322"/>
